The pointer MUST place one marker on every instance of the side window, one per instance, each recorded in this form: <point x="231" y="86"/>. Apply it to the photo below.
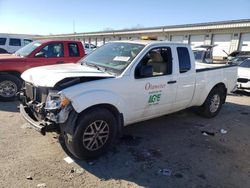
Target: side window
<point x="86" y="45"/>
<point x="51" y="50"/>
<point x="184" y="59"/>
<point x="245" y="63"/>
<point x="15" y="42"/>
<point x="26" y="41"/>
<point x="73" y="50"/>
<point x="2" y="41"/>
<point x="156" y="62"/>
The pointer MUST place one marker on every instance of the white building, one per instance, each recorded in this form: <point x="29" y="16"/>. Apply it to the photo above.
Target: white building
<point x="227" y="35"/>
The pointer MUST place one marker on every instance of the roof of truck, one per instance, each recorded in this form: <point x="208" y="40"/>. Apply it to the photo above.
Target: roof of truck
<point x="57" y="40"/>
<point x="147" y="42"/>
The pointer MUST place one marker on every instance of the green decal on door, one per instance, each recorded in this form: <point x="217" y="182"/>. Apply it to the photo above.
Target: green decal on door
<point x="154" y="98"/>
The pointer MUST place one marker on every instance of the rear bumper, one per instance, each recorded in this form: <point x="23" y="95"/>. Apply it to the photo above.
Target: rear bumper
<point x="40" y="126"/>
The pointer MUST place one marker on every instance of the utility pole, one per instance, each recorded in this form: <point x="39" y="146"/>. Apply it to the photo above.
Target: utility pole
<point x="74" y="28"/>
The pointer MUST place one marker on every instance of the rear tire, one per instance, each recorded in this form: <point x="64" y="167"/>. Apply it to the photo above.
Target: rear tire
<point x="9" y="86"/>
<point x="94" y="134"/>
<point x="213" y="103"/>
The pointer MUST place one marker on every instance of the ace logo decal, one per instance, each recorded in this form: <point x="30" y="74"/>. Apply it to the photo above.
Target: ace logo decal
<point x="154" y="98"/>
<point x="154" y="92"/>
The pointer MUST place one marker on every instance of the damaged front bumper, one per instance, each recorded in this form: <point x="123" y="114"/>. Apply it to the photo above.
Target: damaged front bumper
<point x="41" y="126"/>
<point x="41" y="119"/>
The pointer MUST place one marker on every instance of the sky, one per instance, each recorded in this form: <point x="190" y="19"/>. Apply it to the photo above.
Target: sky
<point x="45" y="17"/>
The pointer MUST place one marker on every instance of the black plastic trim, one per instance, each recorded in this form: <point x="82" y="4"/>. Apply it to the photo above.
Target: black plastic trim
<point x="214" y="68"/>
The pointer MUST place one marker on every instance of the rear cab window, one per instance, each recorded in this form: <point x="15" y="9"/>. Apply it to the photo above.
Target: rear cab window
<point x="73" y="50"/>
<point x="2" y="41"/>
<point x="184" y="59"/>
<point x="15" y="42"/>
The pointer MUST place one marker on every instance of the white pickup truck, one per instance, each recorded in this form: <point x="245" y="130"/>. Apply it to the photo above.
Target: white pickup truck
<point x="118" y="84"/>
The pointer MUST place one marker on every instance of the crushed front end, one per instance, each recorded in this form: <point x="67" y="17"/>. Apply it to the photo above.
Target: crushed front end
<point x="43" y="107"/>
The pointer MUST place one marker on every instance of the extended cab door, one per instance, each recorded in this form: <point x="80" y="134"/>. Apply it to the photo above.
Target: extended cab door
<point x="75" y="52"/>
<point x="153" y="87"/>
<point x="48" y="54"/>
<point x="186" y="77"/>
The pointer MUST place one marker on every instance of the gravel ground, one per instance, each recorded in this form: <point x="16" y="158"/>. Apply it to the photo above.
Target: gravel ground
<point x="177" y="150"/>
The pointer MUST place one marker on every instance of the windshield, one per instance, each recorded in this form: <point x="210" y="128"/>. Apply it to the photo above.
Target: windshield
<point x="245" y="63"/>
<point x="239" y="59"/>
<point x="114" y="56"/>
<point x="26" y="50"/>
<point x="198" y="55"/>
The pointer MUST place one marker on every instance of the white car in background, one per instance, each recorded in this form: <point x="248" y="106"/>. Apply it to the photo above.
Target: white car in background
<point x="243" y="81"/>
<point x="88" y="47"/>
<point x="10" y="43"/>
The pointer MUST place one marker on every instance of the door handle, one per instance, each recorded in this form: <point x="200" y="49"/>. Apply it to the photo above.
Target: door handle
<point x="59" y="62"/>
<point x="172" y="82"/>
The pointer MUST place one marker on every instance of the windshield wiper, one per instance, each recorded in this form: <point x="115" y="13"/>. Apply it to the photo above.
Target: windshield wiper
<point x="100" y="68"/>
<point x="96" y="66"/>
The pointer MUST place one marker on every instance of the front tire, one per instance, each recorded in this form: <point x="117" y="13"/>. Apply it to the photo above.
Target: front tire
<point x="9" y="86"/>
<point x="213" y="103"/>
<point x="94" y="134"/>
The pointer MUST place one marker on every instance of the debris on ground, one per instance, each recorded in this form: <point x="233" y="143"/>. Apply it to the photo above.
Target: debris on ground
<point x="165" y="172"/>
<point x="41" y="185"/>
<point x="79" y="171"/>
<point x="223" y="131"/>
<point x="91" y="163"/>
<point x="206" y="133"/>
<point x="29" y="178"/>
<point x="69" y="160"/>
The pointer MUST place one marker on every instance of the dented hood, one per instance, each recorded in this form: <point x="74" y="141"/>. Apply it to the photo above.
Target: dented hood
<point x="48" y="76"/>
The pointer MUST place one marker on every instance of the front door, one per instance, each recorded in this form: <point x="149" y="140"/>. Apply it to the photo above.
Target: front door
<point x="155" y="90"/>
<point x="53" y="53"/>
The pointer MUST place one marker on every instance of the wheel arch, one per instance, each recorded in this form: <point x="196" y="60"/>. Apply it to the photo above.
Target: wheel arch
<point x="219" y="85"/>
<point x="13" y="73"/>
<point x="224" y="89"/>
<point x="117" y="114"/>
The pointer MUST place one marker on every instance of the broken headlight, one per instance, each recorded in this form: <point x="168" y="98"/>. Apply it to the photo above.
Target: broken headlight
<point x="56" y="101"/>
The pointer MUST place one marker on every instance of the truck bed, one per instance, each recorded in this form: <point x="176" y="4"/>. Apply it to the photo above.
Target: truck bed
<point x="200" y="67"/>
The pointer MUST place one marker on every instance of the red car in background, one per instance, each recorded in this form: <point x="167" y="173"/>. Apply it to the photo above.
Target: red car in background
<point x="37" y="53"/>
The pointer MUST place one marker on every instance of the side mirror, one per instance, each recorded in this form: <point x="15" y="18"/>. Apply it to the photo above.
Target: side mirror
<point x="144" y="71"/>
<point x="183" y="70"/>
<point x="40" y="54"/>
<point x="209" y="61"/>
